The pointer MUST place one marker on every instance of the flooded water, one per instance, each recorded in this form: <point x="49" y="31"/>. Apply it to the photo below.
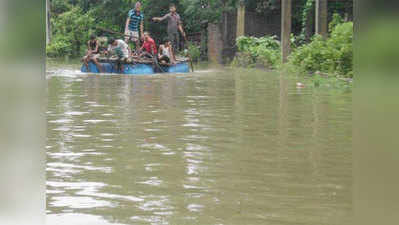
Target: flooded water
<point x="214" y="147"/>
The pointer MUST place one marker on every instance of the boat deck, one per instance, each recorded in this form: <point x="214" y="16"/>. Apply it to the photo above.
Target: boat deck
<point x="136" y="66"/>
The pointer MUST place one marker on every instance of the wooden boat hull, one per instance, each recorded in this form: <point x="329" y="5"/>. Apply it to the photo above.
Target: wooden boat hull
<point x="140" y="68"/>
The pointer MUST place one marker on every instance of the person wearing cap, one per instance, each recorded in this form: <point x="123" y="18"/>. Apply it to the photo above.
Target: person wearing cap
<point x="134" y="22"/>
<point x="174" y="26"/>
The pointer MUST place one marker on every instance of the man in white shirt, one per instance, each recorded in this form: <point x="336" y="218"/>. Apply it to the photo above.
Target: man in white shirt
<point x="120" y="49"/>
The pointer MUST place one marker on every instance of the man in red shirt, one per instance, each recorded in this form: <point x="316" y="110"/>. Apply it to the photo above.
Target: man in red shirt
<point x="149" y="46"/>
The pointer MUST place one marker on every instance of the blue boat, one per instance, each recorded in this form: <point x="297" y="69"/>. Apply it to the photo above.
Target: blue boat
<point x="137" y="68"/>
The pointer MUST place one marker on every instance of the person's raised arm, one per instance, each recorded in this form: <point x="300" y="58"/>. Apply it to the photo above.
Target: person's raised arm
<point x="159" y="19"/>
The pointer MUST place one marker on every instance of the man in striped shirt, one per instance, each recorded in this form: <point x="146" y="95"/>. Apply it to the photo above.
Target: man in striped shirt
<point x="134" y="20"/>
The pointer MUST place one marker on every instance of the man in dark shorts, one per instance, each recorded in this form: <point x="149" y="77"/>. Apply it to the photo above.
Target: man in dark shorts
<point x="174" y="26"/>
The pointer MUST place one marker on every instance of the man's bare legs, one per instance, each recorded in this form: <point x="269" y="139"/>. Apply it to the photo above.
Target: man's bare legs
<point x="86" y="60"/>
<point x="99" y="66"/>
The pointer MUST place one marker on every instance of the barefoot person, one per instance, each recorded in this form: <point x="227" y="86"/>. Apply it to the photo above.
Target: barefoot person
<point x="149" y="48"/>
<point x="92" y="53"/>
<point x="166" y="54"/>
<point x="174" y="26"/>
<point x="134" y="22"/>
<point x="120" y="49"/>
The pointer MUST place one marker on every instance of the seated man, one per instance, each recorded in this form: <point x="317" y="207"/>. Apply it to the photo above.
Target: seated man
<point x="149" y="47"/>
<point x="92" y="52"/>
<point x="166" y="54"/>
<point x="120" y="49"/>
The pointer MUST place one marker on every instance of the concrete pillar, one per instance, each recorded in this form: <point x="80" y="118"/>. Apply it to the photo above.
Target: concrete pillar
<point x="321" y="18"/>
<point x="286" y="6"/>
<point x="241" y="18"/>
<point x="215" y="44"/>
<point x="48" y="25"/>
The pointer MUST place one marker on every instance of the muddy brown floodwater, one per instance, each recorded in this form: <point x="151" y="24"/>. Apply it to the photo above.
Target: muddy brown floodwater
<point x="231" y="147"/>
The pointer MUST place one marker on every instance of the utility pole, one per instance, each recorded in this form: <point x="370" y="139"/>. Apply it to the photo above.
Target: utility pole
<point x="48" y="25"/>
<point x="286" y="7"/>
<point x="241" y="18"/>
<point x="321" y="18"/>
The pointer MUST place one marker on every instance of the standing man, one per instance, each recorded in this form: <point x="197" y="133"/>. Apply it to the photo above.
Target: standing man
<point x="174" y="24"/>
<point x="134" y="20"/>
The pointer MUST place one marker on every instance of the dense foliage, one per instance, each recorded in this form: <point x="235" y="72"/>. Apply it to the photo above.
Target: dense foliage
<point x="194" y="52"/>
<point x="265" y="51"/>
<point x="71" y="33"/>
<point x="334" y="55"/>
<point x="330" y="56"/>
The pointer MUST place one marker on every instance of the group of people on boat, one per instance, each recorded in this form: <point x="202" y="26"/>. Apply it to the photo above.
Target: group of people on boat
<point x="145" y="46"/>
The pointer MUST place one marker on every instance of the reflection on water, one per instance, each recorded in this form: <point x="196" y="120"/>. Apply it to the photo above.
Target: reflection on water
<point x="226" y="147"/>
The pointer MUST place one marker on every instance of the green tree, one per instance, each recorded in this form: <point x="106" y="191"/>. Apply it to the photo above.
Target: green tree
<point x="71" y="31"/>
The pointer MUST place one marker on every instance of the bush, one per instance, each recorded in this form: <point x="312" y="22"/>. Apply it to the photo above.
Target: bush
<point x="243" y="60"/>
<point x="59" y="46"/>
<point x="336" y="20"/>
<point x="60" y="6"/>
<point x="194" y="52"/>
<point x="334" y="55"/>
<point x="265" y="51"/>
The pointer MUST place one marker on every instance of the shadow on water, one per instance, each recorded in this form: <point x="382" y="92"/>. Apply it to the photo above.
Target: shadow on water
<point x="211" y="147"/>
